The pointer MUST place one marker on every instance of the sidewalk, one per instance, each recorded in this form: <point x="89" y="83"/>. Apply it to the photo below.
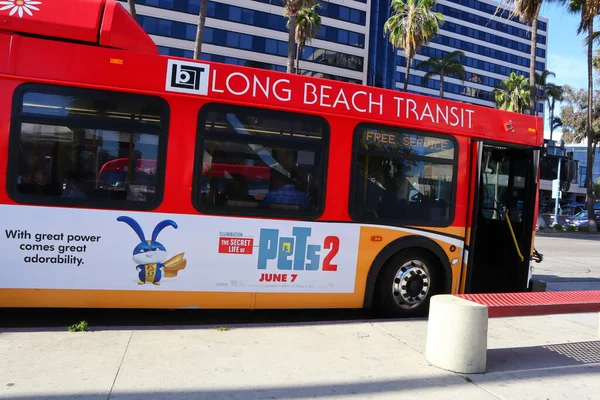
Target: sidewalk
<point x="549" y="357"/>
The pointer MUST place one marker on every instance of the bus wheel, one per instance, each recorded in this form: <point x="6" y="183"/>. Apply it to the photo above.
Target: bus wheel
<point x="406" y="283"/>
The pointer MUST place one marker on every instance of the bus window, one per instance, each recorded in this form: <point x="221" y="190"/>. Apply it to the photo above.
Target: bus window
<point x="260" y="162"/>
<point x="87" y="148"/>
<point x="403" y="177"/>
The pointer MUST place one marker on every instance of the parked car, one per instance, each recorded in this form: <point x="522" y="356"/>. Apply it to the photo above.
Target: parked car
<point x="564" y="211"/>
<point x="571" y="209"/>
<point x="581" y="219"/>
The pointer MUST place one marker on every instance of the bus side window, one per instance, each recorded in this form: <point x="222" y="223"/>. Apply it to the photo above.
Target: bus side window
<point x="259" y="162"/>
<point x="403" y="177"/>
<point x="88" y="148"/>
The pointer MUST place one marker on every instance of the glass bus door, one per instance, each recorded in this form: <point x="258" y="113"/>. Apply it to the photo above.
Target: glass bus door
<point x="499" y="251"/>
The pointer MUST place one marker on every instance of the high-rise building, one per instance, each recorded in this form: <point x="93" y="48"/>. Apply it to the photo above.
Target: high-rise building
<point x="494" y="46"/>
<point x="350" y="44"/>
<point x="254" y="33"/>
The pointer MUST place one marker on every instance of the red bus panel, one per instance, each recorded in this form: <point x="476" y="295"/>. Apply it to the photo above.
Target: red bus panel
<point x="119" y="31"/>
<point x="104" y="23"/>
<point x="63" y="18"/>
<point x="4" y="52"/>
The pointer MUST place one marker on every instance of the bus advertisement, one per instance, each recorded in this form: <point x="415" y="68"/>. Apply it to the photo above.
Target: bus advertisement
<point x="130" y="179"/>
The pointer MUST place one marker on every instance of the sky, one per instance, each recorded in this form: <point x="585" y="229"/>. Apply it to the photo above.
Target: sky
<point x="566" y="52"/>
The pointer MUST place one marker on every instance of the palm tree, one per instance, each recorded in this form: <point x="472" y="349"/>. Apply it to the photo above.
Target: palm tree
<point x="291" y="8"/>
<point x="588" y="9"/>
<point x="528" y="11"/>
<point x="553" y="94"/>
<point x="131" y="4"/>
<point x="200" y="30"/>
<point x="555" y="124"/>
<point x="541" y="82"/>
<point x="512" y="94"/>
<point x="412" y="25"/>
<point x="448" y="64"/>
<point x="308" y="22"/>
<point x="596" y="58"/>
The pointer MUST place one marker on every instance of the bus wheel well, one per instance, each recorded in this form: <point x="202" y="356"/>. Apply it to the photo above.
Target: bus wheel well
<point x="407" y="244"/>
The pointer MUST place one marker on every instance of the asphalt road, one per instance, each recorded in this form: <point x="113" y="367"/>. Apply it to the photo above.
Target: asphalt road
<point x="571" y="263"/>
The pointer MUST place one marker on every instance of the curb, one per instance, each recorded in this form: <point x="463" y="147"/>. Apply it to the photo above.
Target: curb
<point x="568" y="234"/>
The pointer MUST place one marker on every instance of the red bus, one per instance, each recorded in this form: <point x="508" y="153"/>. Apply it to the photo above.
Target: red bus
<point x="244" y="188"/>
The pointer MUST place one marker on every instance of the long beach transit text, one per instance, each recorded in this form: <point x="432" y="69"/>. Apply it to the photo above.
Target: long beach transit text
<point x="339" y="98"/>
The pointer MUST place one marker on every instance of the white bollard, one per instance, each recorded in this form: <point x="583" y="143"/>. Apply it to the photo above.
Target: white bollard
<point x="457" y="334"/>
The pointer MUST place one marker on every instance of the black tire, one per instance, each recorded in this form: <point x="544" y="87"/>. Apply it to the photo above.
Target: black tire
<point x="423" y="275"/>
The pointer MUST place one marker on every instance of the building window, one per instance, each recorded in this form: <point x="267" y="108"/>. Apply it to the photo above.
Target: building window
<point x="260" y="162"/>
<point x="75" y="147"/>
<point x="267" y="20"/>
<point x="473" y="62"/>
<point x="332" y="10"/>
<point x="220" y="37"/>
<point x="171" y="51"/>
<point x="449" y="11"/>
<point x="403" y="177"/>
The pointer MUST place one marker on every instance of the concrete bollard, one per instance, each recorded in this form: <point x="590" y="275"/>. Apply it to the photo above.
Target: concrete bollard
<point x="457" y="335"/>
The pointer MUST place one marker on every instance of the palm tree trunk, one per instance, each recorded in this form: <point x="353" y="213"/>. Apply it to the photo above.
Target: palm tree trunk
<point x="408" y="62"/>
<point x="131" y="4"/>
<point x="551" y="118"/>
<point x="297" y="58"/>
<point x="589" y="182"/>
<point x="291" y="45"/>
<point x="200" y="30"/>
<point x="532" y="86"/>
<point x="441" y="83"/>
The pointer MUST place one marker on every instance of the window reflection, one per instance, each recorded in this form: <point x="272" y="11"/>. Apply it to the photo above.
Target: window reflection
<point x="256" y="176"/>
<point x="59" y="161"/>
<point x="260" y="160"/>
<point x="88" y="146"/>
<point x="403" y="177"/>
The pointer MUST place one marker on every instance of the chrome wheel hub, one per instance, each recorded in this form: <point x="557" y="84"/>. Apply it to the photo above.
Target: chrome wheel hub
<point x="411" y="284"/>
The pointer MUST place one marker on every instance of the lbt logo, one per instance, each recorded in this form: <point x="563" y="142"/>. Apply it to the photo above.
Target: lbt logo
<point x="187" y="77"/>
<point x="294" y="253"/>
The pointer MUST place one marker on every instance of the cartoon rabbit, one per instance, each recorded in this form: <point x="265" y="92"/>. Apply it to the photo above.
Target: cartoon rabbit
<point x="150" y="255"/>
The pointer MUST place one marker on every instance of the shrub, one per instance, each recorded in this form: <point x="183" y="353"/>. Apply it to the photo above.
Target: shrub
<point x="558" y="227"/>
<point x="571" y="228"/>
<point x="541" y="227"/>
<point x="584" y="229"/>
<point x="81" y="326"/>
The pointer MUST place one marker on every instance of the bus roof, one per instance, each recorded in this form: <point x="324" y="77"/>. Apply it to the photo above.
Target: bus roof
<point x="102" y="22"/>
<point x="117" y="63"/>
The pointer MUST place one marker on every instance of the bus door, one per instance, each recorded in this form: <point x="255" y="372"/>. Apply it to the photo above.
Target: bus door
<point x="503" y="207"/>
